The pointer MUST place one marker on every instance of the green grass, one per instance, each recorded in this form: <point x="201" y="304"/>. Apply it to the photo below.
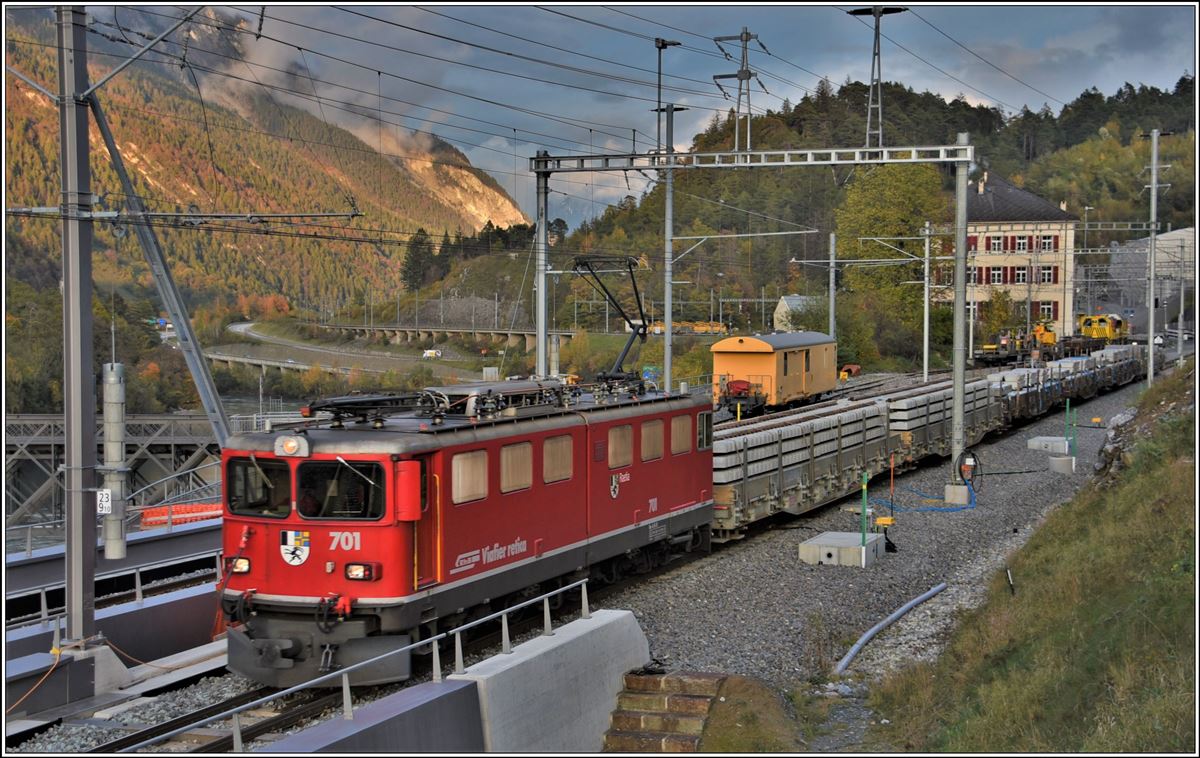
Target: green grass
<point x="753" y="718"/>
<point x="1096" y="650"/>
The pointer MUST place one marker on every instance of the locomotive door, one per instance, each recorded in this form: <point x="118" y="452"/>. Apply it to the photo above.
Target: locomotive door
<point x="420" y="504"/>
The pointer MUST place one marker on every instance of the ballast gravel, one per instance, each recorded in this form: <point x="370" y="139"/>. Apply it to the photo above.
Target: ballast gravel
<point x="753" y="608"/>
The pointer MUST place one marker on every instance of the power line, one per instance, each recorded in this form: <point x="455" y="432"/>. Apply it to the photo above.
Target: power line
<point x="643" y="37"/>
<point x="985" y="60"/>
<point x="226" y="28"/>
<point x="935" y="68"/>
<point x="710" y="39"/>
<point x="519" y="56"/>
<point x="466" y="65"/>
<point x="566" y="120"/>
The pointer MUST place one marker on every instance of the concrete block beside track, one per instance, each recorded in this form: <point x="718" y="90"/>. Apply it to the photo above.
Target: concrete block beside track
<point x="434" y="717"/>
<point x="556" y="694"/>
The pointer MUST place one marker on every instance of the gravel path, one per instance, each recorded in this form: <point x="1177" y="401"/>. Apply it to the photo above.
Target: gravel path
<point x="752" y="608"/>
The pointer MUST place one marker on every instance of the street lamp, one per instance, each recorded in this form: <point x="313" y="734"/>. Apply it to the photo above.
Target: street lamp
<point x="661" y="44"/>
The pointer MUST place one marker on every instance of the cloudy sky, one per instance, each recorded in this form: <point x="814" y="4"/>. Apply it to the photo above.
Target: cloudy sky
<point x="500" y="82"/>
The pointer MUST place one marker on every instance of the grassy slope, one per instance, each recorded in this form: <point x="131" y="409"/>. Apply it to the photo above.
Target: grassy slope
<point x="1096" y="650"/>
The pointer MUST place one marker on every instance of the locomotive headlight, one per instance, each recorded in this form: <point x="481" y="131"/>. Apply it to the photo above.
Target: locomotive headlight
<point x="240" y="566"/>
<point x="291" y="445"/>
<point x="363" y="572"/>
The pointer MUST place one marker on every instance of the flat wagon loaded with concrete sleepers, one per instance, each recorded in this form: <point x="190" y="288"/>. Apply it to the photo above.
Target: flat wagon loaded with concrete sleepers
<point x="797" y="461"/>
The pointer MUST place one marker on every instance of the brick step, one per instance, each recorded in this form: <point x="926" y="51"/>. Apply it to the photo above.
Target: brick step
<point x="664" y="702"/>
<point x="683" y="682"/>
<point x="650" y="742"/>
<point x="645" y="721"/>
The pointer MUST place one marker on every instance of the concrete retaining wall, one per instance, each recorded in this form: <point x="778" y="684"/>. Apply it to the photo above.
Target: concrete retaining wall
<point x="556" y="693"/>
<point x="428" y="718"/>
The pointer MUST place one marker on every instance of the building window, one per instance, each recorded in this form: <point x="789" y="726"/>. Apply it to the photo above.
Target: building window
<point x="620" y="446"/>
<point x="1046" y="309"/>
<point x="997" y="244"/>
<point x="516" y="467"/>
<point x="1022" y="275"/>
<point x="972" y="310"/>
<point x="652" y="440"/>
<point x="1047" y="275"/>
<point x="681" y="435"/>
<point x="972" y="275"/>
<point x="557" y="459"/>
<point x="469" y="476"/>
<point x="1047" y="242"/>
<point x="997" y="275"/>
<point x="1022" y="244"/>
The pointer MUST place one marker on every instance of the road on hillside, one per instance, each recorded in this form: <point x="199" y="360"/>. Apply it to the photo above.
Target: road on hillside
<point x="282" y="348"/>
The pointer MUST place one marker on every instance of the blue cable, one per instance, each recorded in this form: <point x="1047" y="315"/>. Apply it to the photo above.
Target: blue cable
<point x="928" y="509"/>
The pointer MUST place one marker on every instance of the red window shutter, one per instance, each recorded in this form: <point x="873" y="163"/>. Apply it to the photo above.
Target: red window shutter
<point x="972" y="242"/>
<point x="1055" y="315"/>
<point x="1032" y="242"/>
<point x="1055" y="275"/>
<point x="1056" y="242"/>
<point x="1010" y="275"/>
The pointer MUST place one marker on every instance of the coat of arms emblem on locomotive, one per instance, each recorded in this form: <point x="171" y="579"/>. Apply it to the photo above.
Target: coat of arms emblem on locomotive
<point x="293" y="546"/>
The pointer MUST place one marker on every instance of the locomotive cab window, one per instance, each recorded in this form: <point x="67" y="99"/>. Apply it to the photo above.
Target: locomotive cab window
<point x="337" y="490"/>
<point x="681" y="435"/>
<point x="259" y="487"/>
<point x="704" y="430"/>
<point x="620" y="446"/>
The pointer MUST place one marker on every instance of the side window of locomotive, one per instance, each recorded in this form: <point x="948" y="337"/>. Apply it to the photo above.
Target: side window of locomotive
<point x="620" y="446"/>
<point x="516" y="467"/>
<point x="336" y="490"/>
<point x="652" y="440"/>
<point x="259" y="487"/>
<point x="704" y="431"/>
<point x="558" y="459"/>
<point x="681" y="435"/>
<point x="468" y="476"/>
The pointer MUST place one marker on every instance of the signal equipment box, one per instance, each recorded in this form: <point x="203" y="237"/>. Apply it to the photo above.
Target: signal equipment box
<point x="842" y="549"/>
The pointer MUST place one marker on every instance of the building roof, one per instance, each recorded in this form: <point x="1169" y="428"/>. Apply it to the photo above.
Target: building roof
<point x="769" y="343"/>
<point x="798" y="302"/>
<point x="1003" y="201"/>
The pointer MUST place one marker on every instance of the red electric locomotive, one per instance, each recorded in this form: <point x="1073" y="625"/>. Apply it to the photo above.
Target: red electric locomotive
<point x="357" y="535"/>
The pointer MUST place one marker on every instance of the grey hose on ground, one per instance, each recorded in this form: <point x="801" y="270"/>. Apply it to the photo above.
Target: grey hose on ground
<point x="899" y="612"/>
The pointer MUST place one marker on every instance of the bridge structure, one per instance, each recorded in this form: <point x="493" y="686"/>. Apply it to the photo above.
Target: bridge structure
<point x="398" y="333"/>
<point x="228" y="360"/>
<point x="157" y="447"/>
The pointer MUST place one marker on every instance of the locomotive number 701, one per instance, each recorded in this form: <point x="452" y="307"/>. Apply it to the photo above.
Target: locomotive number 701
<point x="345" y="541"/>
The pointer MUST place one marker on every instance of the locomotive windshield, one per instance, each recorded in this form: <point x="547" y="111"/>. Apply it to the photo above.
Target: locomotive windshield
<point x="259" y="487"/>
<point x="341" y="490"/>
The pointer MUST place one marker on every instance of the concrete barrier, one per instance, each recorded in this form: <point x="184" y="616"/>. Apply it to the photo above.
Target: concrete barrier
<point x="435" y="717"/>
<point x="556" y="693"/>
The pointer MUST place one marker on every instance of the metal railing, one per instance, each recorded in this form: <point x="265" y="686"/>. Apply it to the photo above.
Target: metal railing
<point x="347" y="700"/>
